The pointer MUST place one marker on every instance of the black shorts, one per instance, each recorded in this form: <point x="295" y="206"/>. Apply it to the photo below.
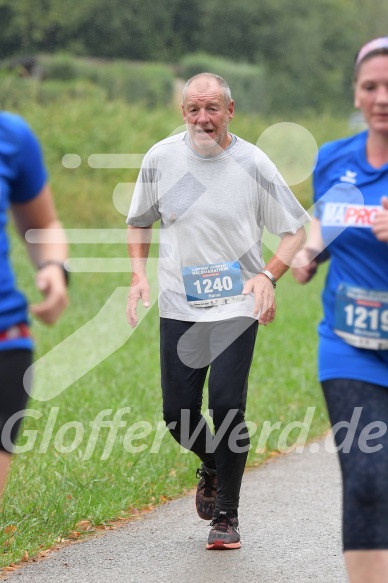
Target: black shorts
<point x="13" y="395"/>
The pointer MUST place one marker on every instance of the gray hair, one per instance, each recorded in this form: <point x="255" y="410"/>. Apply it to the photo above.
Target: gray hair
<point x="221" y="82"/>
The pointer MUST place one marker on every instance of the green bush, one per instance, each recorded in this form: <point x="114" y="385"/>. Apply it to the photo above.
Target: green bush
<point x="60" y="66"/>
<point x="15" y="91"/>
<point x="247" y="82"/>
<point x="68" y="90"/>
<point x="147" y="83"/>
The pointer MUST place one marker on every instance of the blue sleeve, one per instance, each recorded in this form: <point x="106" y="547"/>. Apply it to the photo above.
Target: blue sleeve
<point x="31" y="174"/>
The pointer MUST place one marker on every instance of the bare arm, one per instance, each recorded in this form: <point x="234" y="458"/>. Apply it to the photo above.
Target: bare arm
<point x="139" y="239"/>
<point x="305" y="263"/>
<point x="279" y="263"/>
<point x="40" y="213"/>
<point x="380" y="224"/>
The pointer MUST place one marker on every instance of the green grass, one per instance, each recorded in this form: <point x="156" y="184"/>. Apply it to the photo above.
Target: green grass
<point x="50" y="492"/>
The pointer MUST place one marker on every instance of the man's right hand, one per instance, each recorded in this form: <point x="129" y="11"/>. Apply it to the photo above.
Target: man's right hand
<point x="139" y="289"/>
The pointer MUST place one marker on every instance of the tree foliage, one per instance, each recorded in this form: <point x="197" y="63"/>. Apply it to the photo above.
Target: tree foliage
<point x="305" y="47"/>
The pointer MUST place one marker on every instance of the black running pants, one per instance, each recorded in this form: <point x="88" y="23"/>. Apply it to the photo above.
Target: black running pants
<point x="188" y="351"/>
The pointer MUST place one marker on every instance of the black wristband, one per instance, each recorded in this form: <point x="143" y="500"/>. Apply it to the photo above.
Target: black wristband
<point x="66" y="274"/>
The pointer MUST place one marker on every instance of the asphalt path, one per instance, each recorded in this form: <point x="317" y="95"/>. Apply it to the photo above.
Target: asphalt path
<point x="290" y="533"/>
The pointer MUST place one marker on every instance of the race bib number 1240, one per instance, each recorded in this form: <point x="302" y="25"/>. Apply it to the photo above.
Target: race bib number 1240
<point x="209" y="285"/>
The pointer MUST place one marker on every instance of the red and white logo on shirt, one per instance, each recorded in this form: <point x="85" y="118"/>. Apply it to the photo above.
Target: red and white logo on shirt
<point x="341" y="214"/>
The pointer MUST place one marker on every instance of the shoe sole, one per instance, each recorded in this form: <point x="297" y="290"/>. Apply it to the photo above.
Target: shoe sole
<point x="205" y="516"/>
<point x="219" y="545"/>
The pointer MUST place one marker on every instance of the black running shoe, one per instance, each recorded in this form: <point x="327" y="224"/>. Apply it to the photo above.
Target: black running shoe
<point x="205" y="496"/>
<point x="224" y="533"/>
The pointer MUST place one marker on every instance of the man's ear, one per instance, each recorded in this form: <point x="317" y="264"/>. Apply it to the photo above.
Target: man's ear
<point x="231" y="110"/>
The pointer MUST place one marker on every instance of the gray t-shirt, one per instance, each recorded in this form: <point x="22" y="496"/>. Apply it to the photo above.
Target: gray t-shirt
<point x="212" y="210"/>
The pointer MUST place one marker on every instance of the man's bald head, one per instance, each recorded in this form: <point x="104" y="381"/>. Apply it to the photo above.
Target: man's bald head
<point x="205" y="79"/>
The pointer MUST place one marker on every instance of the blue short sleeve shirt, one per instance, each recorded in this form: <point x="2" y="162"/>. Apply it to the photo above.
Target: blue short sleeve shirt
<point x="347" y="194"/>
<point x="22" y="177"/>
